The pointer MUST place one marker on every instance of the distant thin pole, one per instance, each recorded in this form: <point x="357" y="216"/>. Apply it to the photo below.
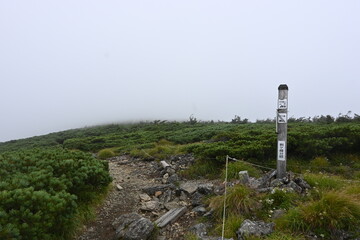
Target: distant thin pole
<point x="224" y="213"/>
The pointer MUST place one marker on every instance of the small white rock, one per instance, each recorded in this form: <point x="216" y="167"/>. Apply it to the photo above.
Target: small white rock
<point x="144" y="197"/>
<point x="119" y="187"/>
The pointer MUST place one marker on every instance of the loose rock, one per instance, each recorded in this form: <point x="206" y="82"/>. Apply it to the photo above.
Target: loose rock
<point x="254" y="228"/>
<point x="133" y="227"/>
<point x="206" y="188"/>
<point x="162" y="188"/>
<point x="189" y="187"/>
<point x="150" y="206"/>
<point x="294" y="186"/>
<point x="196" y="199"/>
<point x="164" y="164"/>
<point x="172" y="205"/>
<point x="144" y="197"/>
<point x="244" y="177"/>
<point x="200" y="230"/>
<point x="302" y="183"/>
<point x="170" y="216"/>
<point x="173" y="178"/>
<point x="276" y="183"/>
<point x="199" y="209"/>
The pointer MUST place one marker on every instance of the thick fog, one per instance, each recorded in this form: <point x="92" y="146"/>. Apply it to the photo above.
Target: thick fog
<point x="69" y="64"/>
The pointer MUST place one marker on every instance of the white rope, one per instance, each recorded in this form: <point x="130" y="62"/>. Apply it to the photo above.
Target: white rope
<point x="237" y="160"/>
<point x="147" y="153"/>
<point x="224" y="213"/>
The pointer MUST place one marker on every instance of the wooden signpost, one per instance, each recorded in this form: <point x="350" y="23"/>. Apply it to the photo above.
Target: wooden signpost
<point x="281" y="130"/>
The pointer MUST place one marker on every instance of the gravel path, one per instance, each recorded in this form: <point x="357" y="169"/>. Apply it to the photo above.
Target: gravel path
<point x="132" y="175"/>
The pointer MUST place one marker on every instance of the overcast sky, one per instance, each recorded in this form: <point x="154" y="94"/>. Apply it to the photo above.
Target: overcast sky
<point x="74" y="63"/>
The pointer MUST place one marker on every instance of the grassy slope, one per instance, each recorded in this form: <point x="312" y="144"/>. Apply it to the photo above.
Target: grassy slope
<point x="334" y="148"/>
<point x="210" y="141"/>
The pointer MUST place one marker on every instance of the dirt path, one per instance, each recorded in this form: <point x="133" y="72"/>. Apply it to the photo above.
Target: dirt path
<point x="132" y="175"/>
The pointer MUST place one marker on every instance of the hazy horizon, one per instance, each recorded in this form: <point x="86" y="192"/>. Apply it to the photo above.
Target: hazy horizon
<point x="72" y="64"/>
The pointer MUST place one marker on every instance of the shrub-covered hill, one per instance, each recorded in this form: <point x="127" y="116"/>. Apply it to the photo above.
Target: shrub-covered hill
<point x="251" y="141"/>
<point x="46" y="183"/>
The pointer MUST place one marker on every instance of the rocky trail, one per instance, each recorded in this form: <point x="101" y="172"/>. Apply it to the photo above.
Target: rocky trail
<point x="147" y="189"/>
<point x="149" y="193"/>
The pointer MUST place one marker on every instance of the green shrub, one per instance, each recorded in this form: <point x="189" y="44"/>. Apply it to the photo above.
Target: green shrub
<point x="201" y="169"/>
<point x="279" y="199"/>
<point x="292" y="221"/>
<point x="40" y="191"/>
<point x="106" y="153"/>
<point x="353" y="190"/>
<point x="319" y="163"/>
<point x="235" y="167"/>
<point x="158" y="151"/>
<point x="239" y="200"/>
<point x="232" y="224"/>
<point x="324" y="182"/>
<point x="334" y="211"/>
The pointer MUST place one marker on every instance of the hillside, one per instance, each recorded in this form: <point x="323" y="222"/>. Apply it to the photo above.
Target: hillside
<point x="255" y="142"/>
<point x="326" y="155"/>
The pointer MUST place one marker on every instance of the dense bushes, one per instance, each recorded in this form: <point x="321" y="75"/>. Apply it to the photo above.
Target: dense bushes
<point x="252" y="141"/>
<point x="40" y="191"/>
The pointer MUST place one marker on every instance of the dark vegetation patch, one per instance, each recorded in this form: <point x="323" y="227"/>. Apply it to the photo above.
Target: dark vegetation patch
<point x="45" y="194"/>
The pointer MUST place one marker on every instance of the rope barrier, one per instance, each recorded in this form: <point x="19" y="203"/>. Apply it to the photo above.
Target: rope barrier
<point x="147" y="153"/>
<point x="237" y="160"/>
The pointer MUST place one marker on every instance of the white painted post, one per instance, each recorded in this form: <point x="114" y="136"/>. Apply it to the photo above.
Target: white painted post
<point x="281" y="126"/>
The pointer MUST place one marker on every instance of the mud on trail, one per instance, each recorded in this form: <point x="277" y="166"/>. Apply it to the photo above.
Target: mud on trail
<point x="131" y="175"/>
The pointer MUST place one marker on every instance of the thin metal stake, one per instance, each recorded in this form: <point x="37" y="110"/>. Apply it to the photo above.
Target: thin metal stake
<point x="224" y="214"/>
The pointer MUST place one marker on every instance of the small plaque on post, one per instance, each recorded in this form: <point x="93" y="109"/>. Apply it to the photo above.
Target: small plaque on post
<point x="282" y="118"/>
<point x="282" y="104"/>
<point x="281" y="151"/>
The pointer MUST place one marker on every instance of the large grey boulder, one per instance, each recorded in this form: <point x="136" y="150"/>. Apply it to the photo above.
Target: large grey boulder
<point x="133" y="227"/>
<point x="254" y="228"/>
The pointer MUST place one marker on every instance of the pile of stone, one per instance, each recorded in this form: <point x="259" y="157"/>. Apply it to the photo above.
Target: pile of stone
<point x="269" y="181"/>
